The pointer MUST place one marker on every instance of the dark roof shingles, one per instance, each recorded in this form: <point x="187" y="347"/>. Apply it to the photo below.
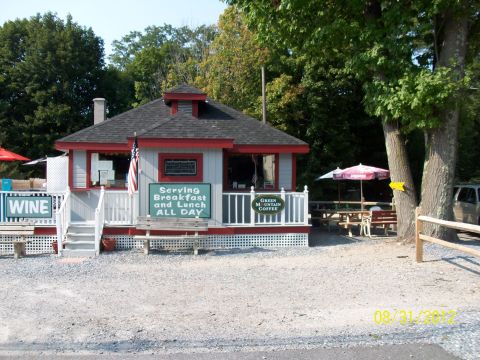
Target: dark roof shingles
<point x="184" y="89"/>
<point x="153" y="120"/>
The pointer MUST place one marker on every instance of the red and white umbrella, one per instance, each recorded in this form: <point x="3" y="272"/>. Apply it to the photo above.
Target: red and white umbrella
<point x="6" y="155"/>
<point x="362" y="172"/>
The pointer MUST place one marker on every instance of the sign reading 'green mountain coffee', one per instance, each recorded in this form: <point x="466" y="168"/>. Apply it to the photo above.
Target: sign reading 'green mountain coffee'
<point x="268" y="204"/>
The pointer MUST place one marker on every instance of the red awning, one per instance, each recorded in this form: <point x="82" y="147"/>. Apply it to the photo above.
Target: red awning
<point x="6" y="155"/>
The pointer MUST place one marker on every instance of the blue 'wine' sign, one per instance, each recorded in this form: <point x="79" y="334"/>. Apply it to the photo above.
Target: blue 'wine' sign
<point x="28" y="206"/>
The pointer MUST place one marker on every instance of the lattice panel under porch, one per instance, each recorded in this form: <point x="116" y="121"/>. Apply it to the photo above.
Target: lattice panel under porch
<point x="255" y="240"/>
<point x="39" y="244"/>
<point x="219" y="241"/>
<point x="125" y="242"/>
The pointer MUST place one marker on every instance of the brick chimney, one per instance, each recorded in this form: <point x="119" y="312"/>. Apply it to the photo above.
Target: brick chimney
<point x="99" y="110"/>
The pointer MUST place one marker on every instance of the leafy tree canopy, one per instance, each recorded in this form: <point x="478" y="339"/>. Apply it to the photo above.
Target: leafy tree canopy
<point x="160" y="57"/>
<point x="49" y="73"/>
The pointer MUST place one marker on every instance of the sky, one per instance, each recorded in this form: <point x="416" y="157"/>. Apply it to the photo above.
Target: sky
<point x="112" y="19"/>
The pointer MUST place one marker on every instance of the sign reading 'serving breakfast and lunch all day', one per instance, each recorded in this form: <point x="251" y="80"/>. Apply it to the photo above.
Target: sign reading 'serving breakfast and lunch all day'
<point x="179" y="200"/>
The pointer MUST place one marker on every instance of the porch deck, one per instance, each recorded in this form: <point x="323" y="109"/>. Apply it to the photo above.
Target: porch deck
<point x="106" y="209"/>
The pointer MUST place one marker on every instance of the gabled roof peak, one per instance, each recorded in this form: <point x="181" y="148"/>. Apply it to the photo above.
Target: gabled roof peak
<point x="184" y="89"/>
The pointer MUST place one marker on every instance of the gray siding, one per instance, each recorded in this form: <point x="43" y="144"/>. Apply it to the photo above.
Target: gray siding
<point x="185" y="106"/>
<point x="212" y="174"/>
<point x="84" y="204"/>
<point x="79" y="169"/>
<point x="285" y="171"/>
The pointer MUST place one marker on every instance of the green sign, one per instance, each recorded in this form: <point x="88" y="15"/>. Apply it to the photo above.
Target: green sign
<point x="268" y="204"/>
<point x="179" y="200"/>
<point x="28" y="206"/>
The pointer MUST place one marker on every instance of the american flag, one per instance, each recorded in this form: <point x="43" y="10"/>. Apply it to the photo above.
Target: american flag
<point x="133" y="170"/>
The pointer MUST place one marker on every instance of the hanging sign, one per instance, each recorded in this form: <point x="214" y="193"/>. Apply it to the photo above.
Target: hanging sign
<point x="397" y="186"/>
<point x="179" y="200"/>
<point x="268" y="204"/>
<point x="28" y="206"/>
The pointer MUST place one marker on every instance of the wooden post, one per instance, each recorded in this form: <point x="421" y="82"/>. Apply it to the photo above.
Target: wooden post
<point x="282" y="216"/>
<point x="264" y="99"/>
<point x="305" y="205"/>
<point x="59" y="225"/>
<point x="195" y="244"/>
<point x="146" y="242"/>
<point x="195" y="240"/>
<point x="252" y="213"/>
<point x="418" y="241"/>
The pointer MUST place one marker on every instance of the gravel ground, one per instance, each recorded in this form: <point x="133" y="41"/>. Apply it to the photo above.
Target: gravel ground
<point x="323" y="296"/>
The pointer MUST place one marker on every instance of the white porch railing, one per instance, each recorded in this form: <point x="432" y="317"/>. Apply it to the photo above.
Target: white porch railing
<point x="99" y="220"/>
<point x="62" y="217"/>
<point x="237" y="209"/>
<point x="118" y="207"/>
<point x="57" y="199"/>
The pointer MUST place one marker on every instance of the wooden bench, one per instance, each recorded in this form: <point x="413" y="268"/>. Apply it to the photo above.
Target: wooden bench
<point x="171" y="224"/>
<point x="20" y="230"/>
<point x="382" y="218"/>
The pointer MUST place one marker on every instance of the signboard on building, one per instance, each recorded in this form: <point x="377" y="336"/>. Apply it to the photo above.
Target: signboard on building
<point x="268" y="204"/>
<point x="180" y="167"/>
<point x="182" y="200"/>
<point x="28" y="206"/>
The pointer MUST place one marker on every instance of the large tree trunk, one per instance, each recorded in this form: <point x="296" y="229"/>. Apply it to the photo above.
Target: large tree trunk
<point x="398" y="164"/>
<point x="399" y="167"/>
<point x="441" y="142"/>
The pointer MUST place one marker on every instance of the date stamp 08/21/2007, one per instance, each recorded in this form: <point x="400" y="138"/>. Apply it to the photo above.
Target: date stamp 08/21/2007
<point x="419" y="317"/>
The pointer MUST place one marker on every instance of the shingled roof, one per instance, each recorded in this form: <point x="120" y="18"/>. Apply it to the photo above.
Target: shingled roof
<point x="154" y="120"/>
<point x="184" y="89"/>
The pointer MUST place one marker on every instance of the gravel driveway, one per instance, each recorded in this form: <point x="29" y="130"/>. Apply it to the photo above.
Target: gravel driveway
<point x="256" y="299"/>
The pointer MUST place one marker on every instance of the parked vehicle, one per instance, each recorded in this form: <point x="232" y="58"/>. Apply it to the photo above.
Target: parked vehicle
<point x="466" y="203"/>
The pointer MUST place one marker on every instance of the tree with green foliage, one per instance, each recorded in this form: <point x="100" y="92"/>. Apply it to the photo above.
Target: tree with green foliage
<point x="303" y="98"/>
<point x="410" y="58"/>
<point x="231" y="73"/>
<point x="161" y="57"/>
<point x="49" y="73"/>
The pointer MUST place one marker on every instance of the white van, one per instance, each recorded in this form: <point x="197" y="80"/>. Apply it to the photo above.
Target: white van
<point x="466" y="203"/>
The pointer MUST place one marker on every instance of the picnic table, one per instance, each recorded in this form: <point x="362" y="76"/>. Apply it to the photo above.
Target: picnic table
<point x="342" y="218"/>
<point x="351" y="218"/>
<point x="325" y="216"/>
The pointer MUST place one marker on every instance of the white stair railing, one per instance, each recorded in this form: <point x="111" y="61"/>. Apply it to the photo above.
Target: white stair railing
<point x="62" y="217"/>
<point x="99" y="220"/>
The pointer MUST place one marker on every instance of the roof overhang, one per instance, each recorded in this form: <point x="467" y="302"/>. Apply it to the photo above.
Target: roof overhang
<point x="183" y="143"/>
<point x="273" y="149"/>
<point x="184" y="96"/>
<point x="71" y="145"/>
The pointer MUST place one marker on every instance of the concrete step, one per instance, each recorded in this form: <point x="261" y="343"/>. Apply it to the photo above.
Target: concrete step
<point x="85" y="222"/>
<point x="81" y="229"/>
<point x="79" y="245"/>
<point x="80" y="236"/>
<point x="78" y="253"/>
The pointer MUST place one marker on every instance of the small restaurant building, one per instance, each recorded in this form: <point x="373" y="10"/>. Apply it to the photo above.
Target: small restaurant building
<point x="196" y="158"/>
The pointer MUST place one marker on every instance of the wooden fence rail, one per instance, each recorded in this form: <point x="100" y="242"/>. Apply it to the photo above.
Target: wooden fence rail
<point x="318" y="205"/>
<point x="420" y="238"/>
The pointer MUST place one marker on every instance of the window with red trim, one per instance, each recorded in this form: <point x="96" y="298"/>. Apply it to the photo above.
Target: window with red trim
<point x="180" y="167"/>
<point x="246" y="170"/>
<point x="109" y="169"/>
